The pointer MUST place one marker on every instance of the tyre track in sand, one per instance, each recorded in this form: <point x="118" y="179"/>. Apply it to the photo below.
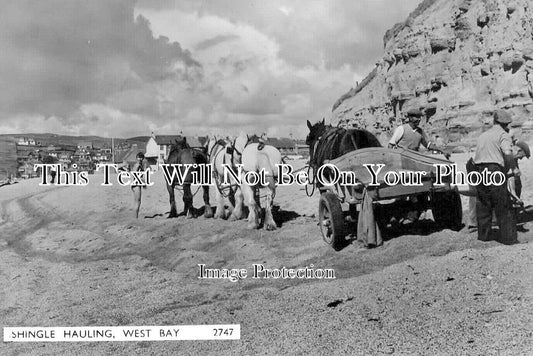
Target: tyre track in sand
<point x="24" y="216"/>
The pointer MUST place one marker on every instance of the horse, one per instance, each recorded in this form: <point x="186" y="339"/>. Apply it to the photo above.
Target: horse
<point x="182" y="153"/>
<point x="258" y="157"/>
<point x="220" y="152"/>
<point x="327" y="142"/>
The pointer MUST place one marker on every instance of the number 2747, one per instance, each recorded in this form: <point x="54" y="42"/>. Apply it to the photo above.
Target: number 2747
<point x="221" y="332"/>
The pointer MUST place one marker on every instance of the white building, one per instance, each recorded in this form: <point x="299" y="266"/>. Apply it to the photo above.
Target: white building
<point x="26" y="141"/>
<point x="158" y="147"/>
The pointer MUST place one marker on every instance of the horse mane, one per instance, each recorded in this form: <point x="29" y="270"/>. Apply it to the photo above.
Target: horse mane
<point x="337" y="141"/>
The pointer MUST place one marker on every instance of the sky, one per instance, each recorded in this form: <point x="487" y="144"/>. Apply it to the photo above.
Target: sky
<point x="124" y="68"/>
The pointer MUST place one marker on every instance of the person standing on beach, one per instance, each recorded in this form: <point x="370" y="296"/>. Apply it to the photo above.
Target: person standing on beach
<point x="140" y="166"/>
<point x="411" y="135"/>
<point x="494" y="153"/>
<point x="520" y="151"/>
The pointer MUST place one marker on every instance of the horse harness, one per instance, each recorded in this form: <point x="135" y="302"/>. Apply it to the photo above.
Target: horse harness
<point x="226" y="149"/>
<point x="236" y="156"/>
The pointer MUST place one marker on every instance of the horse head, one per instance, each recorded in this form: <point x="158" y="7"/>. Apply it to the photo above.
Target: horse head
<point x="180" y="142"/>
<point x="212" y="141"/>
<point x="315" y="131"/>
<point x="241" y="142"/>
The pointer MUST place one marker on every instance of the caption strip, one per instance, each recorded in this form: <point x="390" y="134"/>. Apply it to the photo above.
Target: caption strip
<point x="122" y="333"/>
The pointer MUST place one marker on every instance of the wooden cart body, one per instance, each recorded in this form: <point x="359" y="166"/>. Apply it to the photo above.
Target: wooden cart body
<point x="443" y="200"/>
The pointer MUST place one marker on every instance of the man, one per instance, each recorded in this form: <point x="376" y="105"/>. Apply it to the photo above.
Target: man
<point x="520" y="151"/>
<point x="411" y="136"/>
<point x="140" y="166"/>
<point x="494" y="153"/>
<point x="472" y="199"/>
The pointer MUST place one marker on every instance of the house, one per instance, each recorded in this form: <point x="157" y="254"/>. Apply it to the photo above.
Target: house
<point x="85" y="145"/>
<point x="101" y="156"/>
<point x="27" y="141"/>
<point x="286" y="146"/>
<point x="158" y="147"/>
<point x="27" y="163"/>
<point x="129" y="156"/>
<point x="302" y="149"/>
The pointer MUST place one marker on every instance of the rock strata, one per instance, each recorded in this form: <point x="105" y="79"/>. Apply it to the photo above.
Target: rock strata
<point x="458" y="61"/>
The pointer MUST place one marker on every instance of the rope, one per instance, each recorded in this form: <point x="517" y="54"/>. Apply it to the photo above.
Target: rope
<point x="219" y="186"/>
<point x="180" y="189"/>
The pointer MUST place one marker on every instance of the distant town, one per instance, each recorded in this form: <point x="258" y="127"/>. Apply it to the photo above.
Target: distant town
<point x="20" y="152"/>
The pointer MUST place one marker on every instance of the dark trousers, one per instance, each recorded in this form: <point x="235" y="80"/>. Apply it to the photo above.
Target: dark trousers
<point x="518" y="186"/>
<point x="494" y="198"/>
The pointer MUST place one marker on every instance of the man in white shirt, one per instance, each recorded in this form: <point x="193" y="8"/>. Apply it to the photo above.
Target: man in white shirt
<point x="411" y="136"/>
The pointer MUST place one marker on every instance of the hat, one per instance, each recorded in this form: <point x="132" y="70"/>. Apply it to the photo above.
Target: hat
<point x="503" y="117"/>
<point x="140" y="155"/>
<point x="414" y="113"/>
<point x="524" y="147"/>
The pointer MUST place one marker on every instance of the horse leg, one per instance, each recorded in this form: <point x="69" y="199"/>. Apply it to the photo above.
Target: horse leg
<point x="270" y="224"/>
<point x="249" y="200"/>
<point x="220" y="211"/>
<point x="208" y="212"/>
<point x="173" y="212"/>
<point x="231" y="202"/>
<point x="236" y="214"/>
<point x="188" y="209"/>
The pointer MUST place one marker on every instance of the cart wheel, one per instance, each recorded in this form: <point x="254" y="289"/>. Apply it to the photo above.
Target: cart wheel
<point x="447" y="209"/>
<point x="331" y="220"/>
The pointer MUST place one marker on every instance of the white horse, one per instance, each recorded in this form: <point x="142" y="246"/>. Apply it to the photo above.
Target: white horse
<point x="220" y="152"/>
<point x="257" y="157"/>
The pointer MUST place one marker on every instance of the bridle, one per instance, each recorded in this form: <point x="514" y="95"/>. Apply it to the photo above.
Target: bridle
<point x="235" y="150"/>
<point x="213" y="154"/>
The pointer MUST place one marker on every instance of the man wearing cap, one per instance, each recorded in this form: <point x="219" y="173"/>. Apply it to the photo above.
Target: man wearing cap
<point x="411" y="136"/>
<point x="494" y="153"/>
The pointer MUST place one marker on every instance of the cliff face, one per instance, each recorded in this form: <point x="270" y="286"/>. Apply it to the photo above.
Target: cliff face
<point x="458" y="61"/>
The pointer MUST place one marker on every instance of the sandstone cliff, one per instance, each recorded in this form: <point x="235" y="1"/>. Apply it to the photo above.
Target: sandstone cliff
<point x="458" y="61"/>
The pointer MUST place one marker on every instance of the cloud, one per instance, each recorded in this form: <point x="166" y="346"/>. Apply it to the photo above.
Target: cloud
<point x="214" y="41"/>
<point x="59" y="54"/>
<point x="126" y="68"/>
<point x="311" y="32"/>
<point x="246" y="82"/>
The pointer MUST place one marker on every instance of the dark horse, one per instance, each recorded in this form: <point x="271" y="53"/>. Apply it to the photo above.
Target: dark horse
<point x="327" y="142"/>
<point x="181" y="153"/>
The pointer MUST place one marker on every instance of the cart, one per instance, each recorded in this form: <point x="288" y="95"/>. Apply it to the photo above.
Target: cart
<point x="341" y="203"/>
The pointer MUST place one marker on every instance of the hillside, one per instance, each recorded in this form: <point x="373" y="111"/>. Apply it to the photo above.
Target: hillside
<point x="456" y="60"/>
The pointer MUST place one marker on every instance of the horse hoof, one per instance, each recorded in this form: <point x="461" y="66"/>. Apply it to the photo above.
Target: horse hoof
<point x="270" y="227"/>
<point x="208" y="214"/>
<point x="251" y="226"/>
<point x="232" y="218"/>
